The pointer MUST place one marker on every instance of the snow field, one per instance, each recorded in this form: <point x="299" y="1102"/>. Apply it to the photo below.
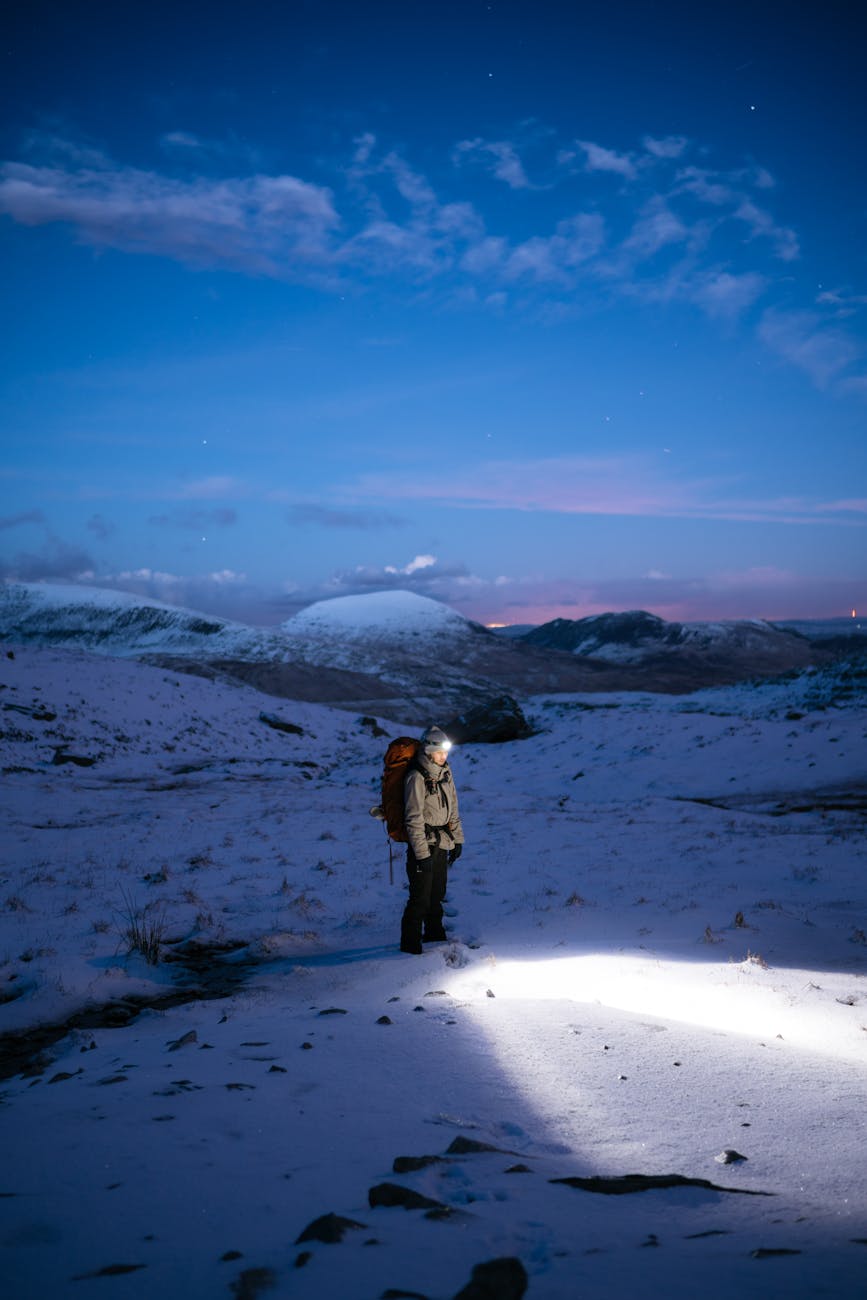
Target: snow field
<point x="670" y="978"/>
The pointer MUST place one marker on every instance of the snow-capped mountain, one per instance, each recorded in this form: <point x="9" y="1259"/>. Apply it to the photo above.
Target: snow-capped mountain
<point x="403" y="655"/>
<point x="424" y="650"/>
<point x="396" y="618"/>
<point x="119" y="624"/>
<point x="635" y="636"/>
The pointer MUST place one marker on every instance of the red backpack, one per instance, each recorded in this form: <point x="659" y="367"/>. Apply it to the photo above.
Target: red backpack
<point x="398" y="757"/>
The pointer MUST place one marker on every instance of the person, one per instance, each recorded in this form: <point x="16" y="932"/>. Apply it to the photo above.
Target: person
<point x="435" y="839"/>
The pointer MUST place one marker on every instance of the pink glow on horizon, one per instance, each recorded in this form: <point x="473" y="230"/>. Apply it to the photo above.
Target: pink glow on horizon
<point x="756" y="594"/>
<point x="697" y="612"/>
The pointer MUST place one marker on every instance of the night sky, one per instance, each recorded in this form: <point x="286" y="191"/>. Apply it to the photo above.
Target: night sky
<point x="542" y="309"/>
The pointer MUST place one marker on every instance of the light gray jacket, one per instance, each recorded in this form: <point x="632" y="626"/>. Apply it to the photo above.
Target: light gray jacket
<point x="431" y="801"/>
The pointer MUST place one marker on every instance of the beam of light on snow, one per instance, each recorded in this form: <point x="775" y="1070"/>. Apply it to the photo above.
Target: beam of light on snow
<point x="806" y="1009"/>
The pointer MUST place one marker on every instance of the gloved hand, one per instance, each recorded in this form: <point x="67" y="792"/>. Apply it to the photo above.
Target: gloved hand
<point x="455" y="853"/>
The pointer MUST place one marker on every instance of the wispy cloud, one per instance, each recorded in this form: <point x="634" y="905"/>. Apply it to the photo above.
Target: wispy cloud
<point x="195" y="520"/>
<point x="56" y="561"/>
<point x="732" y="191"/>
<point x="210" y="489"/>
<point x="266" y="225"/>
<point x="761" y="223"/>
<point x="425" y="242"/>
<point x="671" y="232"/>
<point x="671" y="146"/>
<point x="308" y="514"/>
<point x="165" y="580"/>
<point x="425" y="574"/>
<point x="599" y="159"/>
<point x="551" y="260"/>
<point x="724" y="296"/>
<point x="806" y="340"/>
<point x="655" y="227"/>
<point x="20" y="520"/>
<point x="844" y="301"/>
<point x="225" y="593"/>
<point x="499" y="156"/>
<point x="635" y="487"/>
<point x="187" y="146"/>
<point x="574" y="485"/>
<point x="100" y="527"/>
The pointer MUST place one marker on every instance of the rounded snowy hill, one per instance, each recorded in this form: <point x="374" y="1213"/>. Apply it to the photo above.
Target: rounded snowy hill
<point x="392" y="614"/>
<point x="384" y="631"/>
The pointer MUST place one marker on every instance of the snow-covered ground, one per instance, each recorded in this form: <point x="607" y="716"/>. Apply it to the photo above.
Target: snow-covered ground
<point x="659" y="954"/>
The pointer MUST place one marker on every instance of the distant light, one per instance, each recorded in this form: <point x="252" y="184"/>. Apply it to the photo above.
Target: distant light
<point x="508" y="625"/>
<point x="854" y="613"/>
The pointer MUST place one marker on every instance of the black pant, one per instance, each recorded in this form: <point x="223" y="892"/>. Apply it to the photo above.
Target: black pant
<point x="427" y="889"/>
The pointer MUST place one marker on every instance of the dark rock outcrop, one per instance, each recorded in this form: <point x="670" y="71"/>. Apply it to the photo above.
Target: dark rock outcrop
<point x="626" y="1183"/>
<point x="280" y="724"/>
<point x="490" y="723"/>
<point x="329" y="1228"/>
<point x="497" y="1279"/>
<point x="392" y="1194"/>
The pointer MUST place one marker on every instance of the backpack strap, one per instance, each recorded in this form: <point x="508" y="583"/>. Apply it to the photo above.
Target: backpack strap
<point x="429" y="785"/>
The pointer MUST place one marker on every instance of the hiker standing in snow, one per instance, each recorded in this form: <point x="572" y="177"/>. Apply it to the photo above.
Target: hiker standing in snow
<point x="434" y="836"/>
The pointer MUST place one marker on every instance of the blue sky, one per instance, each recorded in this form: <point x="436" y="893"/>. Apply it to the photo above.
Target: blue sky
<point x="541" y="309"/>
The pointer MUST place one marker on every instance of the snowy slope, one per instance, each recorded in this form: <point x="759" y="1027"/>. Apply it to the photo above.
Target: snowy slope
<point x="658" y="954"/>
<point x="116" y="623"/>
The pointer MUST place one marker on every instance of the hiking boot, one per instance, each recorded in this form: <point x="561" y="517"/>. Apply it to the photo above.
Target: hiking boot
<point x="435" y="936"/>
<point x="414" y="948"/>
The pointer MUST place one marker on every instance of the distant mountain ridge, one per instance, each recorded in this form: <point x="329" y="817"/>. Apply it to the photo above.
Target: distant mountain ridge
<point x="402" y="655"/>
<point x="636" y="635"/>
